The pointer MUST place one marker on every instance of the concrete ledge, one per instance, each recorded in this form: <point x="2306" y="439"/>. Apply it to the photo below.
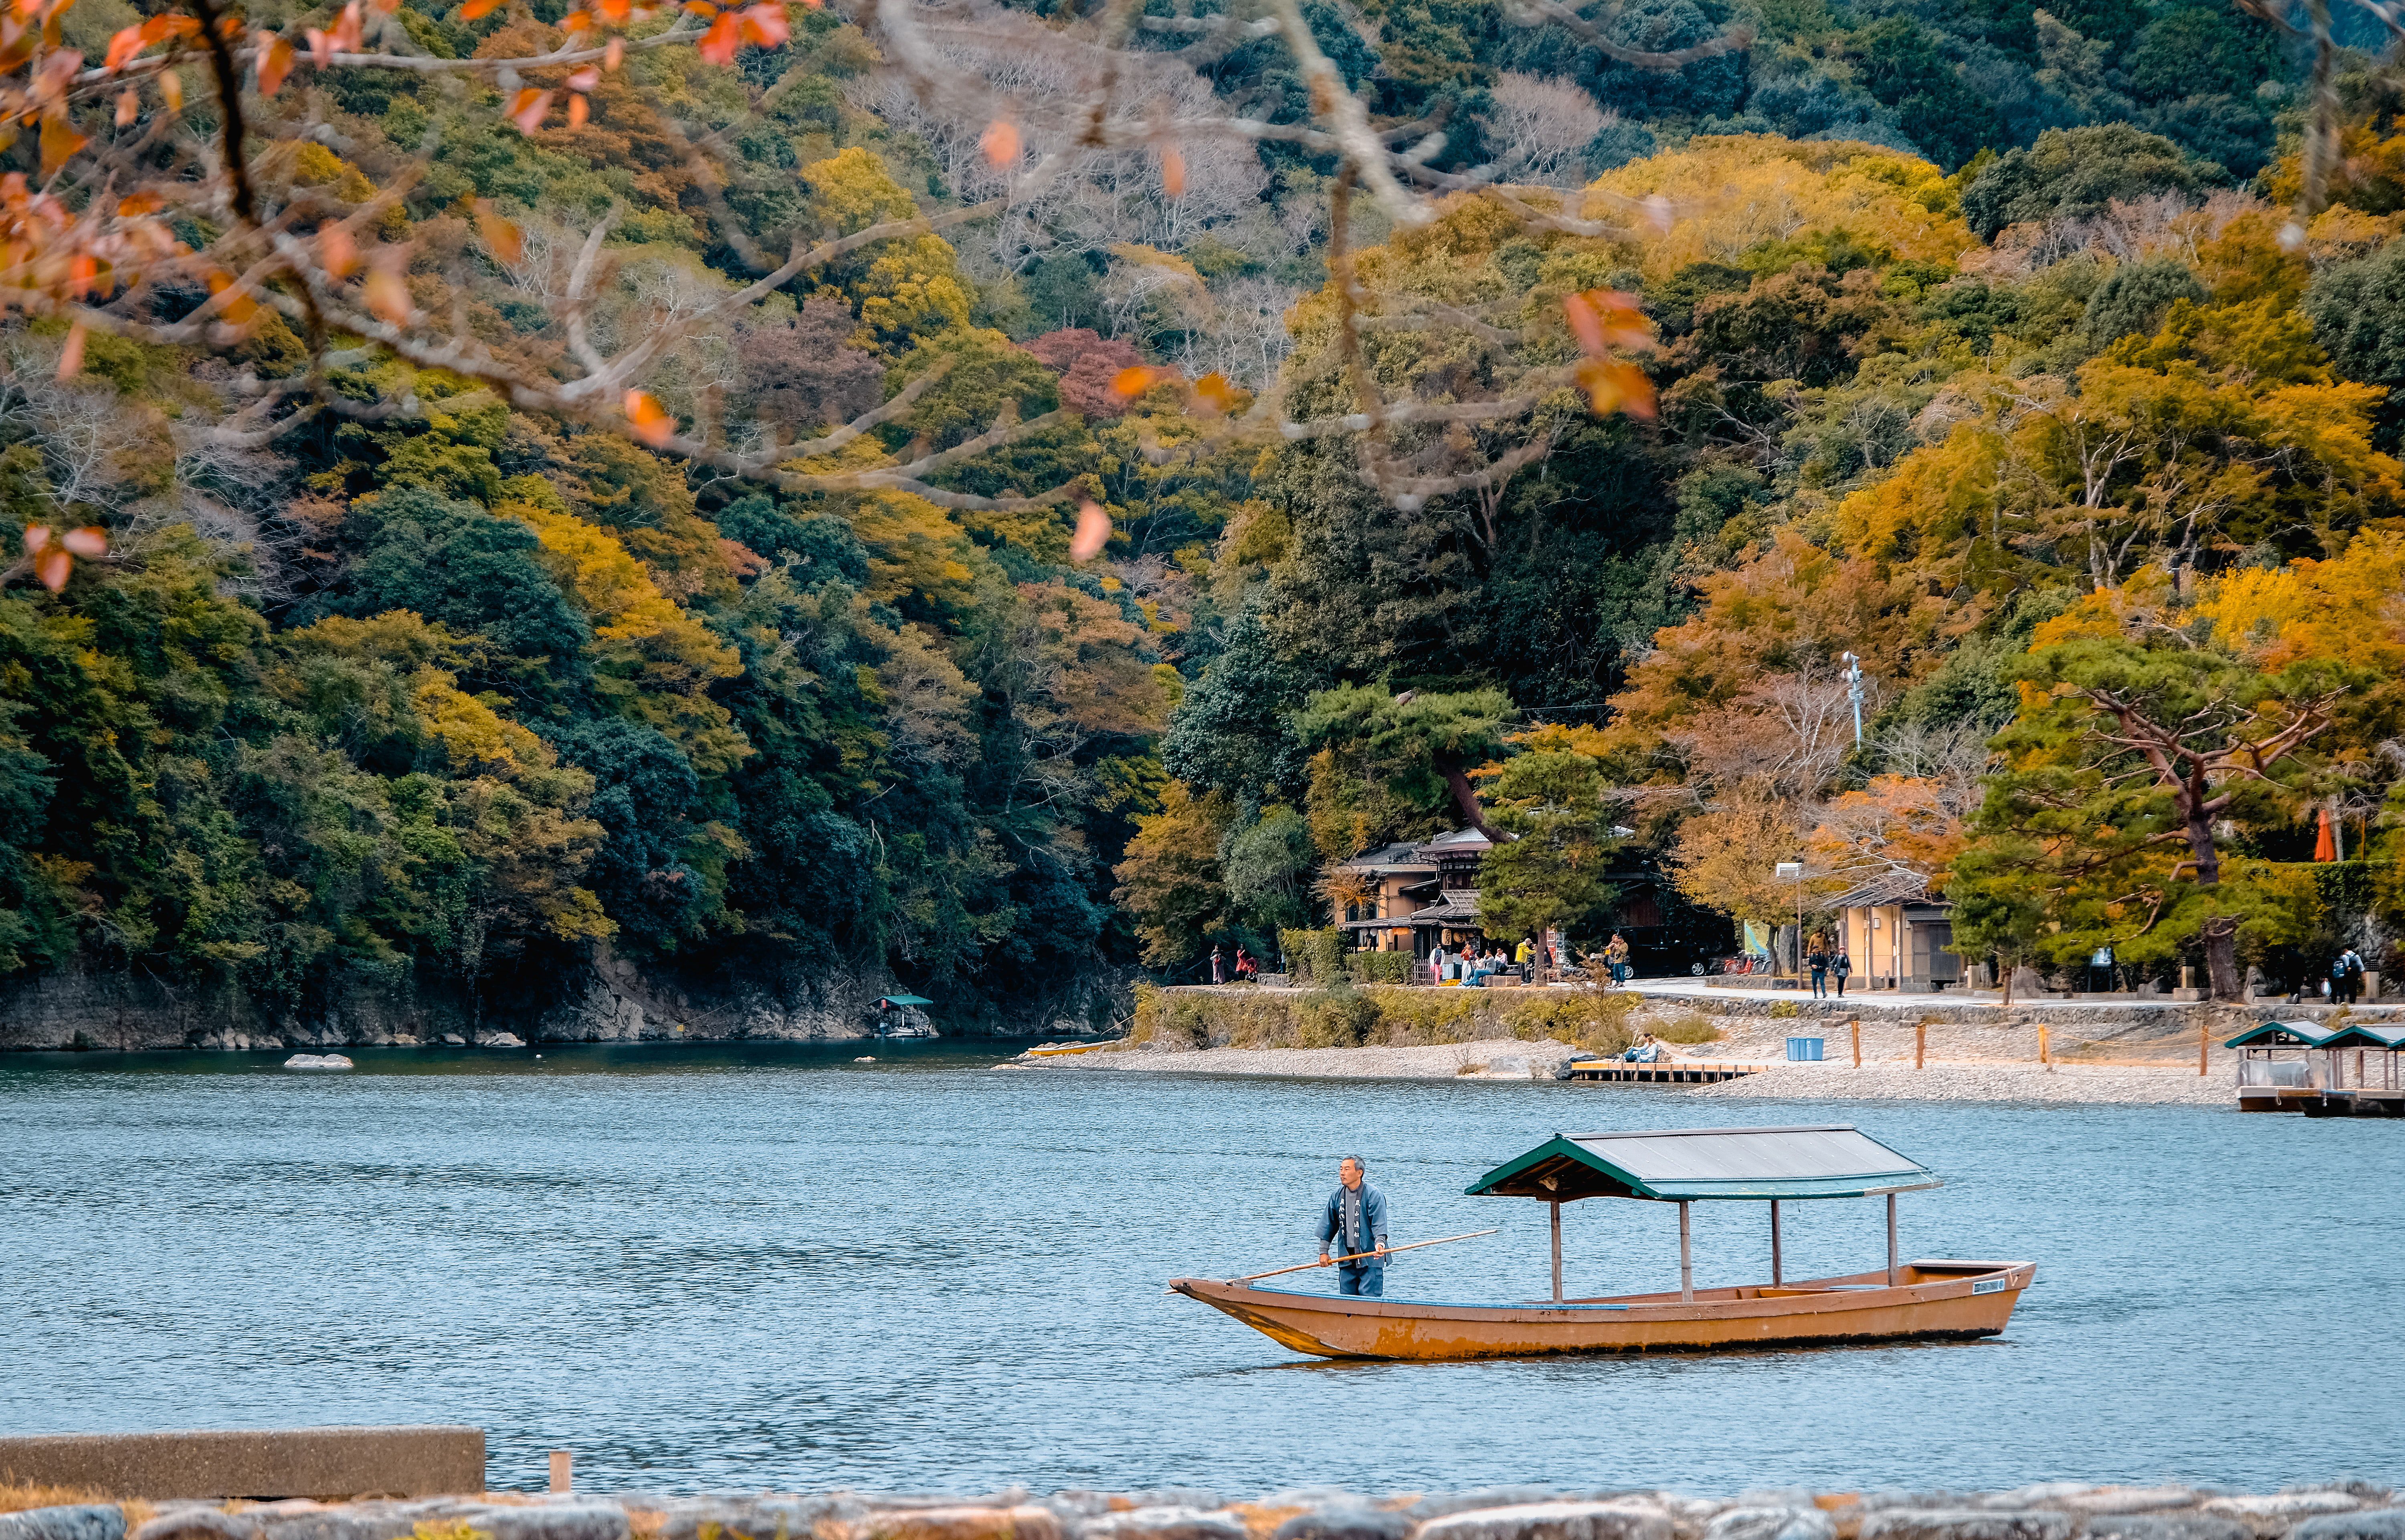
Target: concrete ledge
<point x="319" y="1463"/>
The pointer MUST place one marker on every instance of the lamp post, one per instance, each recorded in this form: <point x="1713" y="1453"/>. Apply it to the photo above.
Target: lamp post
<point x="1793" y="871"/>
<point x="1853" y="677"/>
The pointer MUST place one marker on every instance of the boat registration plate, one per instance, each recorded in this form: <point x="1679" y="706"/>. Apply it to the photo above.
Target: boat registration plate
<point x="1990" y="1286"/>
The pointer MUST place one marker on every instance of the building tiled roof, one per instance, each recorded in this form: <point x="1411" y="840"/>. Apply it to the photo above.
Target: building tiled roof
<point x="1888" y="887"/>
<point x="1404" y="857"/>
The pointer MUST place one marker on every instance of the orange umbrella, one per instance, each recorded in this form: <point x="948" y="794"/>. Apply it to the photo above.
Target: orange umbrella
<point x="2325" y="844"/>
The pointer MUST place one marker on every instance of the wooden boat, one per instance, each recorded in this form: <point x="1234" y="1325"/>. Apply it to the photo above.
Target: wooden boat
<point x="1925" y="1300"/>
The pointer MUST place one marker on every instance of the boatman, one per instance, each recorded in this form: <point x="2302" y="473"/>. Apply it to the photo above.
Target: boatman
<point x="1355" y="1220"/>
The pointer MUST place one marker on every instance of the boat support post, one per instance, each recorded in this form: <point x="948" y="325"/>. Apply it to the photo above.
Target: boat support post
<point x="1892" y="1273"/>
<point x="1686" y="1257"/>
<point x="1558" y="1250"/>
<point x="1775" y="1277"/>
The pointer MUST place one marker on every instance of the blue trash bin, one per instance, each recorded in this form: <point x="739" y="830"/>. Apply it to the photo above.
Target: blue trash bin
<point x="1802" y="1049"/>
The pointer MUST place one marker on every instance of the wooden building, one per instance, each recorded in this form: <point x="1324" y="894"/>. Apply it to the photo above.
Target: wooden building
<point x="1898" y="935"/>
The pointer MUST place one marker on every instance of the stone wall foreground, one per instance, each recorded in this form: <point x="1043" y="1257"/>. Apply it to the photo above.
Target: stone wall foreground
<point x="2352" y="1510"/>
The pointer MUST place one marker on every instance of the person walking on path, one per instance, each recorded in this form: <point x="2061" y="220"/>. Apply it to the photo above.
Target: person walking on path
<point x="1355" y="1221"/>
<point x="2346" y="977"/>
<point x="1615" y="953"/>
<point x="1819" y="962"/>
<point x="1244" y="969"/>
<point x="1218" y="966"/>
<point x="1525" y="956"/>
<point x="1842" y="966"/>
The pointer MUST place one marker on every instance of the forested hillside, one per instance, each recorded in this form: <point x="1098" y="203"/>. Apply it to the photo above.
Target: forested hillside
<point x="511" y="553"/>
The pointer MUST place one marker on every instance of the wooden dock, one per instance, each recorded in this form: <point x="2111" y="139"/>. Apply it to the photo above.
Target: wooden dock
<point x="2319" y="1102"/>
<point x="1668" y="1072"/>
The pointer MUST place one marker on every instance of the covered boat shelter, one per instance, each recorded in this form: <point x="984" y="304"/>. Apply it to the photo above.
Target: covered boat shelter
<point x="2268" y="1082"/>
<point x="1709" y="1165"/>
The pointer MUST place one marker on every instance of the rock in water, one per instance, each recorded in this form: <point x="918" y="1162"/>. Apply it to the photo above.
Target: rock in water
<point x="318" y="1062"/>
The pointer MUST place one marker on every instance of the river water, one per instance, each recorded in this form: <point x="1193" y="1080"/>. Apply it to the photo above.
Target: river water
<point x="746" y="1267"/>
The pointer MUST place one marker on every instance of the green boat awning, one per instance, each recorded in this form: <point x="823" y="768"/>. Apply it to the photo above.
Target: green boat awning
<point x="2282" y="1035"/>
<point x="904" y="999"/>
<point x="2382" y="1037"/>
<point x="1678" y="1165"/>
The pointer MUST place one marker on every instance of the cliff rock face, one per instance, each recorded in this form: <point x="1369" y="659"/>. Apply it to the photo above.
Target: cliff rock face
<point x="608" y="1000"/>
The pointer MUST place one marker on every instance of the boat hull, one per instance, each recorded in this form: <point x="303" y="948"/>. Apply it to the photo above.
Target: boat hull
<point x="1934" y="1300"/>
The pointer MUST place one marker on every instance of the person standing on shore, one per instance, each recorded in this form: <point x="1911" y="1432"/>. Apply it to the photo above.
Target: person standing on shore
<point x="1615" y="954"/>
<point x="1355" y="1221"/>
<point x="1819" y="962"/>
<point x="1218" y="966"/>
<point x="1842" y="966"/>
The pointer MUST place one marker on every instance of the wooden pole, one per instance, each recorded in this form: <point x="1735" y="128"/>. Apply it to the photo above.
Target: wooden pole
<point x="2203" y="1051"/>
<point x="1856" y="1027"/>
<point x="1686" y="1256"/>
<point x="1777" y="1277"/>
<point x="563" y="1477"/>
<point x="1891" y="1266"/>
<point x="2045" y="1052"/>
<point x="1919" y="1044"/>
<point x="1558" y="1252"/>
<point x="1301" y="1266"/>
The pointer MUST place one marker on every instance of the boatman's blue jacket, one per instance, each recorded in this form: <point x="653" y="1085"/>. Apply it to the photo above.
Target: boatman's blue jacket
<point x="1369" y="1220"/>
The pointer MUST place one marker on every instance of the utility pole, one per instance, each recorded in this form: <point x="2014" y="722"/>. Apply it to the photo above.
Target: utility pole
<point x="1853" y="677"/>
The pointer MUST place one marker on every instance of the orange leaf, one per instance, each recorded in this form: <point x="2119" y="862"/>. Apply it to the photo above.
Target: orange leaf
<point x="348" y="30"/>
<point x="616" y="13"/>
<point x="171" y="90"/>
<point x="719" y="45"/>
<point x="1584" y="325"/>
<point x="586" y="79"/>
<point x="36" y="536"/>
<point x="322" y="47"/>
<point x="1094" y="533"/>
<point x="613" y="55"/>
<point x="82" y="272"/>
<point x="579" y="110"/>
<point x="90" y="541"/>
<point x="1215" y="392"/>
<point x="71" y="358"/>
<point x="237" y="310"/>
<point x="1172" y="172"/>
<point x="172" y="25"/>
<point x="139" y="204"/>
<point x="476" y="11"/>
<point x="337" y="253"/>
<point x="122" y="46"/>
<point x="702" y="8"/>
<point x="1000" y="143"/>
<point x="1617" y="388"/>
<point x="53" y="567"/>
<point x="529" y="109"/>
<point x="59" y="144"/>
<point x="652" y="425"/>
<point x="129" y="107"/>
<point x="388" y="291"/>
<point x="274" y="62"/>
<point x="1132" y="382"/>
<point x="576" y="21"/>
<point x="767" y="24"/>
<point x="501" y="239"/>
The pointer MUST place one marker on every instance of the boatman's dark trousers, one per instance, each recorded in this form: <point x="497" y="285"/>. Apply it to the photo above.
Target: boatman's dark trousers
<point x="1365" y="1276"/>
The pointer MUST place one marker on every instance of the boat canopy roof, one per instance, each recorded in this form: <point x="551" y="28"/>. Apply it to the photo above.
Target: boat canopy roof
<point x="904" y="999"/>
<point x="1673" y="1165"/>
<point x="2388" y="1037"/>
<point x="2282" y="1035"/>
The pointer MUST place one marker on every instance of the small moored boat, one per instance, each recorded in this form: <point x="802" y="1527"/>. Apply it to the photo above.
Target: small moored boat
<point x="1905" y="1300"/>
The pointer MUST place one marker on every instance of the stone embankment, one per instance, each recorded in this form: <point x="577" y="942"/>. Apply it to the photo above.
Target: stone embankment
<point x="2056" y="1511"/>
